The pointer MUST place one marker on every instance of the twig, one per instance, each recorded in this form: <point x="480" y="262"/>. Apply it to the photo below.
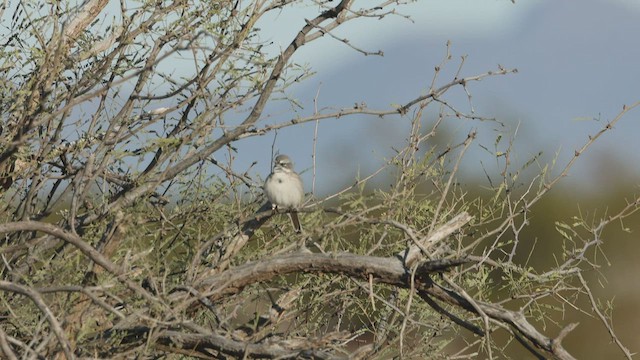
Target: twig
<point x="602" y="318"/>
<point x="42" y="306"/>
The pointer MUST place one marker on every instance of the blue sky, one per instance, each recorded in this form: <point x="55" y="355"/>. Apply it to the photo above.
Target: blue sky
<point x="577" y="65"/>
<point x="577" y="61"/>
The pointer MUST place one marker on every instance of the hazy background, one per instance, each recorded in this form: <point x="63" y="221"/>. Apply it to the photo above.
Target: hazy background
<point x="578" y="62"/>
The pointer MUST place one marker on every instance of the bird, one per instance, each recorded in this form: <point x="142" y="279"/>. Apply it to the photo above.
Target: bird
<point x="284" y="188"/>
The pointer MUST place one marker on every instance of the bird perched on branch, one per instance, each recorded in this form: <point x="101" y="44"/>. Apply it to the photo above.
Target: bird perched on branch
<point x="284" y="188"/>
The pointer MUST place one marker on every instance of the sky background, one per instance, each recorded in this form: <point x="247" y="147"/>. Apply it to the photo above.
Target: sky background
<point x="577" y="66"/>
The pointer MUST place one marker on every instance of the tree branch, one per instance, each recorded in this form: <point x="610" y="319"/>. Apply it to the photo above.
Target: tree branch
<point x="127" y="197"/>
<point x="42" y="306"/>
<point x="81" y="245"/>
<point x="390" y="271"/>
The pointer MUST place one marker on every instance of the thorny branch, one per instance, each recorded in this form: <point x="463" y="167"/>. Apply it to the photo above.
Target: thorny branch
<point x="117" y="232"/>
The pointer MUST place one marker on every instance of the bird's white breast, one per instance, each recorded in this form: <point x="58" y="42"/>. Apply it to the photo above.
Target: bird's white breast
<point x="284" y="190"/>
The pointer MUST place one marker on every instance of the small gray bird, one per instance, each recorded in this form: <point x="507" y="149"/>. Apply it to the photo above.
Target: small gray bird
<point x="284" y="189"/>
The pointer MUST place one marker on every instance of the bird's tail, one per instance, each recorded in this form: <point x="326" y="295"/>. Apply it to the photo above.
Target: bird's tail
<point x="295" y="221"/>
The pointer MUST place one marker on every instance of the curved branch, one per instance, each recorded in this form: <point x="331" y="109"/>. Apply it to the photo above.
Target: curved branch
<point x="86" y="249"/>
<point x="7" y="351"/>
<point x="515" y="319"/>
<point x="39" y="302"/>
<point x="388" y="270"/>
<point x="75" y="240"/>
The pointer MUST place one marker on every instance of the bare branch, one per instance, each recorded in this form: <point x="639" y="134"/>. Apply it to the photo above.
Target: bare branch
<point x="42" y="306"/>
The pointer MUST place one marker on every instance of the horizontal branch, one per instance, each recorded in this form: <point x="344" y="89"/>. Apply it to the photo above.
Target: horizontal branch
<point x="285" y="349"/>
<point x="364" y="110"/>
<point x="206" y="343"/>
<point x="388" y="270"/>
